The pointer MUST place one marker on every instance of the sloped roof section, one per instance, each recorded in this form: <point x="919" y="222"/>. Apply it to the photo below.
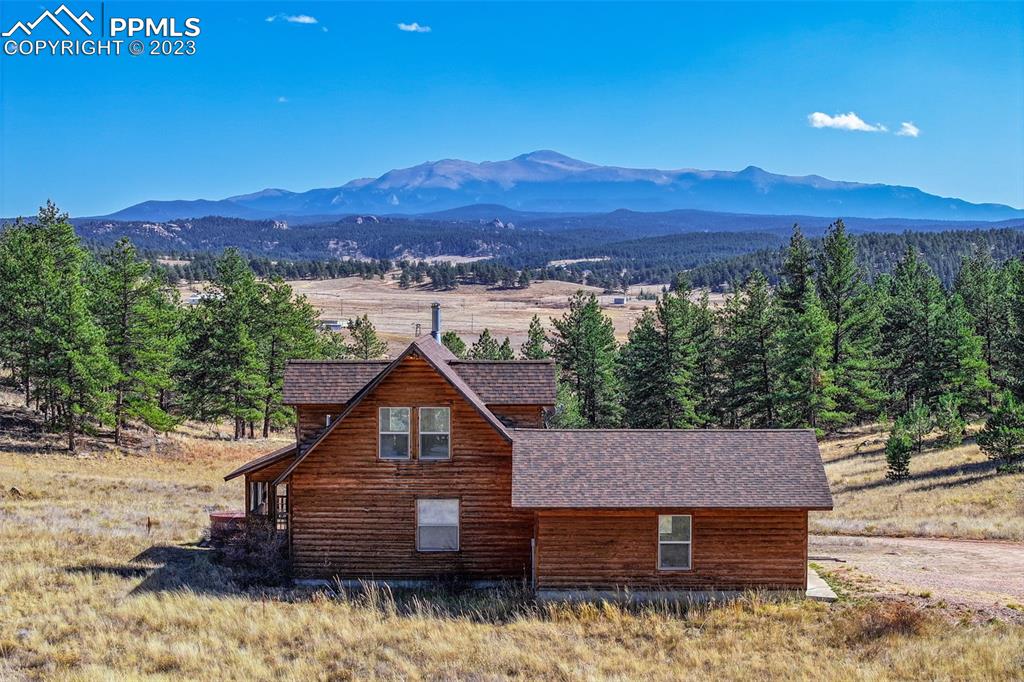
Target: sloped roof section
<point x="510" y="382"/>
<point x="620" y="468"/>
<point x="263" y="461"/>
<point x="327" y="382"/>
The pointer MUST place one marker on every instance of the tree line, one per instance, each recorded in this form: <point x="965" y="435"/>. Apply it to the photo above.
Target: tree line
<point x="95" y="341"/>
<point x="825" y="349"/>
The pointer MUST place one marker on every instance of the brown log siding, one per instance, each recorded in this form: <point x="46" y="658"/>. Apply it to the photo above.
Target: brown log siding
<point x="312" y="419"/>
<point x="353" y="515"/>
<point x="731" y="550"/>
<point x="520" y="416"/>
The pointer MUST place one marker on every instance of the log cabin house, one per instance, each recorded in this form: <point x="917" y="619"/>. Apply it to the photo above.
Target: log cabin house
<point x="428" y="467"/>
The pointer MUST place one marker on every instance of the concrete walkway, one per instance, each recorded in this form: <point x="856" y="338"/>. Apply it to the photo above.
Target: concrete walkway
<point x="817" y="588"/>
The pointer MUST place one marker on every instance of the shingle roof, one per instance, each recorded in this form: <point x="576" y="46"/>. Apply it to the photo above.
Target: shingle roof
<point x="437" y="356"/>
<point x="323" y="382"/>
<point x="510" y="382"/>
<point x="620" y="468"/>
<point x="263" y="461"/>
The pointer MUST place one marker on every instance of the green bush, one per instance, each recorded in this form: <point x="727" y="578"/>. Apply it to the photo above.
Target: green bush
<point x="897" y="455"/>
<point x="1002" y="439"/>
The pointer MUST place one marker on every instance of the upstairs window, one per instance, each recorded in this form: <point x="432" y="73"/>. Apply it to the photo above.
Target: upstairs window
<point x="674" y="540"/>
<point x="435" y="433"/>
<point x="394" y="433"/>
<point x="437" y="525"/>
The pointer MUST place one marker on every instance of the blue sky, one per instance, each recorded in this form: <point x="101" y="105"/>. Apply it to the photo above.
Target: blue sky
<point x="297" y="104"/>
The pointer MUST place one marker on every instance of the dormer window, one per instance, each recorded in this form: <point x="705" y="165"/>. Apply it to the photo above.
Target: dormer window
<point x="394" y="432"/>
<point x="435" y="433"/>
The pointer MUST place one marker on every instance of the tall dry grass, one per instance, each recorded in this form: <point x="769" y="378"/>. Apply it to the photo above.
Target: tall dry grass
<point x="101" y="579"/>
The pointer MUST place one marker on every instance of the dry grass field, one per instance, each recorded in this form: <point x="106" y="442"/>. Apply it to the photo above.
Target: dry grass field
<point x="506" y="312"/>
<point x="104" y="576"/>
<point x="955" y="492"/>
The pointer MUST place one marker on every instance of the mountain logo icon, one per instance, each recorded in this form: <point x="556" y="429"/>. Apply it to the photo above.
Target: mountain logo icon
<point x="78" y="20"/>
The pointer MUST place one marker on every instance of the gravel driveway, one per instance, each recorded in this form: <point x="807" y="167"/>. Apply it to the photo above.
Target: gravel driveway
<point x="986" y="577"/>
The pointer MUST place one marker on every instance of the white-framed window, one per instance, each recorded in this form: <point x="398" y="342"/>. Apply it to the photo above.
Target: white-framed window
<point x="435" y="433"/>
<point x="258" y="493"/>
<point x="394" y="433"/>
<point x="674" y="542"/>
<point x="437" y="525"/>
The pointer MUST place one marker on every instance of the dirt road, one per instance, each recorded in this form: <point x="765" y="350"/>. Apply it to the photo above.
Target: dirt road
<point x="985" y="577"/>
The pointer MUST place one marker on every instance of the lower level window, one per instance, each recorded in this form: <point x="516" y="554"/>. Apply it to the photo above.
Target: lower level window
<point x="258" y="492"/>
<point x="674" y="540"/>
<point x="437" y="525"/>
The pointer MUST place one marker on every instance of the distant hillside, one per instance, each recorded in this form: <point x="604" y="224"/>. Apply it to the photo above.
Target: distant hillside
<point x="546" y="181"/>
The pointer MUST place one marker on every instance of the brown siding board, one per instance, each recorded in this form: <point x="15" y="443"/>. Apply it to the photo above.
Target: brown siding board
<point x="731" y="550"/>
<point x="353" y="515"/>
<point x="520" y="416"/>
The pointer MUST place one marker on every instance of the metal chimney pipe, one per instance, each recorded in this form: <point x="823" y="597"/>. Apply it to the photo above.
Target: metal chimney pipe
<point x="435" y="321"/>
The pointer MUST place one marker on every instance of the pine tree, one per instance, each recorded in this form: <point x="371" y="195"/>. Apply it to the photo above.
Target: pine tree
<point x="961" y="360"/>
<point x="453" y="342"/>
<point x="505" y="351"/>
<point x="71" y="364"/>
<point x="524" y="279"/>
<point x="898" y="450"/>
<point x="979" y="285"/>
<point x="1002" y="439"/>
<point x="850" y="308"/>
<point x="1013" y="343"/>
<point x="751" y="354"/>
<point x="286" y="329"/>
<point x="949" y="421"/>
<point x="911" y="336"/>
<point x="917" y="423"/>
<point x="534" y="348"/>
<point x="364" y="344"/>
<point x="583" y="345"/>
<point x="805" y="381"/>
<point x="797" y="272"/>
<point x="138" y="316"/>
<point x="707" y="377"/>
<point x="638" y="370"/>
<point x="486" y="347"/>
<point x="221" y="370"/>
<point x="404" y="281"/>
<point x="656" y="365"/>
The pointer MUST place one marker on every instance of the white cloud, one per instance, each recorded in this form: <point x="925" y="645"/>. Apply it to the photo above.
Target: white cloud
<point x="282" y="100"/>
<point x="850" y="121"/>
<point x="293" y="18"/>
<point x="414" y="27"/>
<point x="908" y="129"/>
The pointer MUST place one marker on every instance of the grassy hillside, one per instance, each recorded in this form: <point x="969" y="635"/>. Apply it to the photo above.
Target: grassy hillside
<point x="951" y="492"/>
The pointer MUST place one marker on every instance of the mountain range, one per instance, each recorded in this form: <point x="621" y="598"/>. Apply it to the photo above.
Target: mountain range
<point x="546" y="182"/>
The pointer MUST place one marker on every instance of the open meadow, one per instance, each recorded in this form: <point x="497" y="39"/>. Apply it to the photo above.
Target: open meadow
<point x="106" y="576"/>
<point x="396" y="312"/>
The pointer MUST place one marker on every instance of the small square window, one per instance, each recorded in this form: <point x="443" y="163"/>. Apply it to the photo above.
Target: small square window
<point x="394" y="433"/>
<point x="675" y="534"/>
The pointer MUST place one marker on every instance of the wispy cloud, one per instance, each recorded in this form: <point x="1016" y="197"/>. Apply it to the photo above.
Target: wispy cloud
<point x="850" y="121"/>
<point x="282" y="100"/>
<point x="303" y="19"/>
<point x="908" y="129"/>
<point x="414" y="27"/>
